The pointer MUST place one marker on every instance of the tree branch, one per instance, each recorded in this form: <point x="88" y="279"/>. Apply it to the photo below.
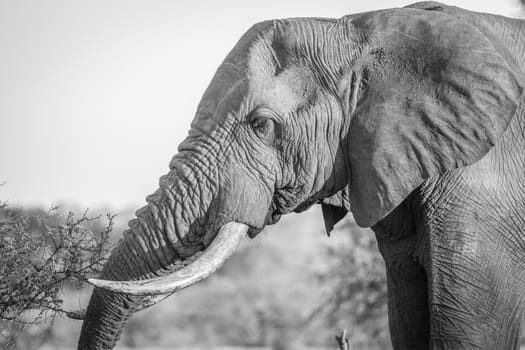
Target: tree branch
<point x="342" y="341"/>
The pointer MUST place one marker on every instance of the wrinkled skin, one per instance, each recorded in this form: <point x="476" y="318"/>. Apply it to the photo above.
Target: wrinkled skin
<point x="413" y="117"/>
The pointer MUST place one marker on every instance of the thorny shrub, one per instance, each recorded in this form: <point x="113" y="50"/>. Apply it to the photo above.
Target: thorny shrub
<point x="356" y="280"/>
<point x="41" y="254"/>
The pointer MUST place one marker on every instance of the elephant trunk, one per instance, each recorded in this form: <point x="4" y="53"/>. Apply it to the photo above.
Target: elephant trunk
<point x="167" y="233"/>
<point x="108" y="312"/>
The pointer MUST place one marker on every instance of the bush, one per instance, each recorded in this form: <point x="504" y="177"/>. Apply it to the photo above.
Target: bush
<point x="356" y="277"/>
<point x="41" y="254"/>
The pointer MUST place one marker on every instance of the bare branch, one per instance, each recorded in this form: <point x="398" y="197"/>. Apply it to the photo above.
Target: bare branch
<point x="40" y="255"/>
<point x="342" y="341"/>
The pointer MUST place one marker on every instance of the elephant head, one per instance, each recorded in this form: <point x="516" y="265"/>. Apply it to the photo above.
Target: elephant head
<point x="351" y="113"/>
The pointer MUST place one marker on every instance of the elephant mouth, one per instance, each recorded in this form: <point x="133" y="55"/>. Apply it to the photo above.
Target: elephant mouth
<point x="274" y="212"/>
<point x="221" y="248"/>
<point x="272" y="217"/>
<point x="277" y="209"/>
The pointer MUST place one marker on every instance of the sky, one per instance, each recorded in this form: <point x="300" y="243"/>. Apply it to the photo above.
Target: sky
<point x="96" y="95"/>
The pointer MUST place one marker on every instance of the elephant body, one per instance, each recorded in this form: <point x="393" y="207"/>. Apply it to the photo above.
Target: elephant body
<point x="413" y="119"/>
<point x="455" y="249"/>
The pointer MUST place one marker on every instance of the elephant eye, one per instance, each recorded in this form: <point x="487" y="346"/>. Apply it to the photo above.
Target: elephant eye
<point x="263" y="127"/>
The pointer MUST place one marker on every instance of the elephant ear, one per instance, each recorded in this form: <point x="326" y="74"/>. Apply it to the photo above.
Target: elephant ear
<point x="335" y="208"/>
<point x="434" y="96"/>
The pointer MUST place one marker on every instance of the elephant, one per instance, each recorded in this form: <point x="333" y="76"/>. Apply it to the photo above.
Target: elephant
<point x="412" y="119"/>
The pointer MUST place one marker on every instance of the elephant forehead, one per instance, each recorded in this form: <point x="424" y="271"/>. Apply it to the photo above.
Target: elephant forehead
<point x="278" y="95"/>
<point x="283" y="92"/>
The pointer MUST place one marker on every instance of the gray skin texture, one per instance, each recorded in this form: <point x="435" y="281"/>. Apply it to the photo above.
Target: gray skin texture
<point x="413" y="117"/>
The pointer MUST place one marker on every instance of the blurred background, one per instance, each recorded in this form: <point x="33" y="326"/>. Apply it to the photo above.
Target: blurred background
<point x="94" y="99"/>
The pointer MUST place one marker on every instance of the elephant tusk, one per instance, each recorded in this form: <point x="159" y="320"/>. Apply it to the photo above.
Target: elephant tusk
<point x="222" y="247"/>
